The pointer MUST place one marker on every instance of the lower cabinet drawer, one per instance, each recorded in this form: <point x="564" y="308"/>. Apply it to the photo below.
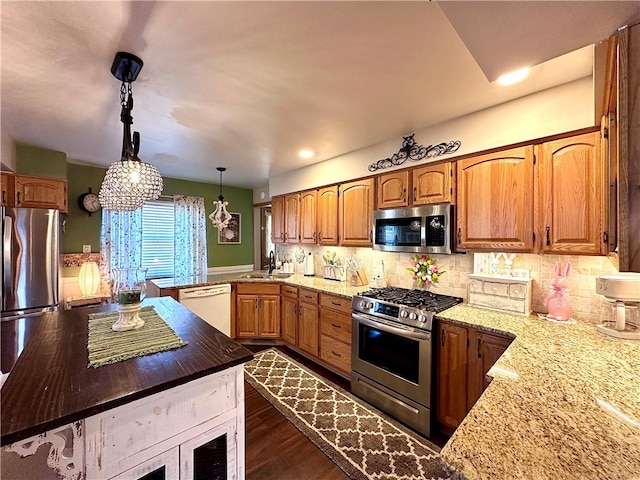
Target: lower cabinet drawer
<point x="336" y="325"/>
<point x="336" y="353"/>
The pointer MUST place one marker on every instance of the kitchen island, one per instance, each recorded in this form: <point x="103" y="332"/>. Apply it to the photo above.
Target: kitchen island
<point x="134" y="416"/>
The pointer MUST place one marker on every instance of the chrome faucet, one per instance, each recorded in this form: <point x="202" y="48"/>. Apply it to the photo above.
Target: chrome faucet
<point x="272" y="261"/>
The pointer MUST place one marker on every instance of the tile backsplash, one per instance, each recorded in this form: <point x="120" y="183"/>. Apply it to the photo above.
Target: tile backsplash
<point x="586" y="303"/>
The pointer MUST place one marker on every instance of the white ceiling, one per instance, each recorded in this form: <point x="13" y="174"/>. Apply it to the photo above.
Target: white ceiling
<point x="245" y="85"/>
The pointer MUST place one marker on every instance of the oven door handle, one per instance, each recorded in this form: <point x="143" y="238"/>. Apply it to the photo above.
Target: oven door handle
<point x="390" y="329"/>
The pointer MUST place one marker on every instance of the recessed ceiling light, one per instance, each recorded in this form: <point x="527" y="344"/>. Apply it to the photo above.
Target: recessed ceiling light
<point x="306" y="153"/>
<point x="513" y="77"/>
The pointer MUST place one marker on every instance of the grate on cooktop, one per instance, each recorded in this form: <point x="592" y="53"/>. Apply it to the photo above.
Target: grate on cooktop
<point x="412" y="298"/>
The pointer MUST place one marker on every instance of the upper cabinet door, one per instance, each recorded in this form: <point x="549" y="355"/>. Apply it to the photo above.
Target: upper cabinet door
<point x="292" y="218"/>
<point x="277" y="219"/>
<point x="356" y="212"/>
<point x="40" y="192"/>
<point x="328" y="215"/>
<point x="571" y="177"/>
<point x="495" y="201"/>
<point x="393" y="189"/>
<point x="308" y="215"/>
<point x="433" y="184"/>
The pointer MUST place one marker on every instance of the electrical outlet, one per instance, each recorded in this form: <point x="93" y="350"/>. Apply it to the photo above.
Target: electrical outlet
<point x="86" y="248"/>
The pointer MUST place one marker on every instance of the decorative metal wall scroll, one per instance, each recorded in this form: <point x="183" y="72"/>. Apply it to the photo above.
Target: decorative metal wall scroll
<point x="413" y="151"/>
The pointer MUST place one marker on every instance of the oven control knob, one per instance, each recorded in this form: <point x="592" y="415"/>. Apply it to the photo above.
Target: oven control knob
<point x="364" y="304"/>
<point x="422" y="318"/>
<point x="404" y="313"/>
<point x="369" y="305"/>
<point x="412" y="316"/>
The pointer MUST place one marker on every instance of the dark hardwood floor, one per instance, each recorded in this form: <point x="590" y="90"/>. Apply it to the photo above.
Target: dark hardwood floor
<point x="275" y="449"/>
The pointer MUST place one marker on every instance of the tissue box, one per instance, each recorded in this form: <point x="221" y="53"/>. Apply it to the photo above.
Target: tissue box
<point x="498" y="292"/>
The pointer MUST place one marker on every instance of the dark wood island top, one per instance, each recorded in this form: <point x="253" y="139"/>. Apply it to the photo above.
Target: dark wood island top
<point x="50" y="384"/>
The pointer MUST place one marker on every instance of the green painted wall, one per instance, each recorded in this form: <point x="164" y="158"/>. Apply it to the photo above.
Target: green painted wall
<point x="40" y="162"/>
<point x="81" y="229"/>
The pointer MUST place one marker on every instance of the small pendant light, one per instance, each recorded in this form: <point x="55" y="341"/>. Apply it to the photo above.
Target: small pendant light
<point x="220" y="217"/>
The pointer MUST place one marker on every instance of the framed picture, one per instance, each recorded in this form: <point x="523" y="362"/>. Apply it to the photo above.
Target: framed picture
<point x="231" y="234"/>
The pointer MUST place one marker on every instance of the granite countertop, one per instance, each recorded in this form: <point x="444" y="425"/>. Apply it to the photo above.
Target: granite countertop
<point x="50" y="384"/>
<point x="564" y="403"/>
<point x="343" y="289"/>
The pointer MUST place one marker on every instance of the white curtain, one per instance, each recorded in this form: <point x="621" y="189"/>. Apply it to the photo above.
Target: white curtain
<point x="191" y="236"/>
<point x="121" y="241"/>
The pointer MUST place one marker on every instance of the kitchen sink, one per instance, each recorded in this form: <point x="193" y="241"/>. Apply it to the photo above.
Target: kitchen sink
<point x="266" y="275"/>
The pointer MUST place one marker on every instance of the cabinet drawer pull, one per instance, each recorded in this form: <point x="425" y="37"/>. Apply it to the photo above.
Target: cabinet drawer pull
<point x="336" y="354"/>
<point x="336" y="326"/>
<point x="479" y="354"/>
<point x="548" y="239"/>
<point x="336" y="303"/>
<point x="442" y="337"/>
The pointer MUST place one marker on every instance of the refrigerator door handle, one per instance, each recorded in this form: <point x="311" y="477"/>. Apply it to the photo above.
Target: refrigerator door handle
<point x="6" y="256"/>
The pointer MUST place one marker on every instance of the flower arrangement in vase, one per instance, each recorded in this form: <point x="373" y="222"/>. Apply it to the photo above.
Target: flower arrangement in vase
<point x="424" y="271"/>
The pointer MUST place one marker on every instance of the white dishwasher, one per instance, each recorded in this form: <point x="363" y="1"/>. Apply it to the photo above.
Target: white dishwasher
<point x="211" y="303"/>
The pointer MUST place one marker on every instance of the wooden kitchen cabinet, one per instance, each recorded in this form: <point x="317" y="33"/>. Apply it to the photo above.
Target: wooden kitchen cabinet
<point x="40" y="192"/>
<point x="308" y="321"/>
<point x="464" y="356"/>
<point x="571" y="183"/>
<point x="433" y="184"/>
<point x="451" y="375"/>
<point x="495" y="201"/>
<point x="393" y="189"/>
<point x="308" y="216"/>
<point x="258" y="310"/>
<point x="292" y="218"/>
<point x="7" y="197"/>
<point x="277" y="219"/>
<point x="356" y="212"/>
<point x="484" y="350"/>
<point x="327" y="219"/>
<point x="335" y="331"/>
<point x="34" y="192"/>
<point x="289" y="325"/>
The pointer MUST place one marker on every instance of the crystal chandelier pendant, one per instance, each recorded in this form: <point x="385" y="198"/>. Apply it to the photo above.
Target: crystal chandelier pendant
<point x="129" y="182"/>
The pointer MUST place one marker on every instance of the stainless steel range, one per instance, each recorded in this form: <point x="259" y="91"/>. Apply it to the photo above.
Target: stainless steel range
<point x="392" y="351"/>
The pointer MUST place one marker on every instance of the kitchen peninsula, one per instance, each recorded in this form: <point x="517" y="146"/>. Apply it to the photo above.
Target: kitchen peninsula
<point x="136" y="416"/>
<point x="563" y="402"/>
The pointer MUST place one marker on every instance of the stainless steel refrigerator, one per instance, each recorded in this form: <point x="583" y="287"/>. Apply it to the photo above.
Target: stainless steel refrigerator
<point x="30" y="260"/>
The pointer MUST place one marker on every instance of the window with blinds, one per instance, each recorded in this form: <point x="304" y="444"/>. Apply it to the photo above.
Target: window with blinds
<point x="157" y="238"/>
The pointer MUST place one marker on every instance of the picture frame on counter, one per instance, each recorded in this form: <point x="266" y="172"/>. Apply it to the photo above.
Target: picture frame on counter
<point x="231" y="234"/>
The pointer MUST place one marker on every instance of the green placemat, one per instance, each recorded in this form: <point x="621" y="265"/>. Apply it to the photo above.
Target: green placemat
<point x="106" y="346"/>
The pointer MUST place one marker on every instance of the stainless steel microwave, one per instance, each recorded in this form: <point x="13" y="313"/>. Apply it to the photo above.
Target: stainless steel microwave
<point x="425" y="229"/>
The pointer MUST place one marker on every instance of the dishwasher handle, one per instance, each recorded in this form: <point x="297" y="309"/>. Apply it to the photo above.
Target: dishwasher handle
<point x="199" y="292"/>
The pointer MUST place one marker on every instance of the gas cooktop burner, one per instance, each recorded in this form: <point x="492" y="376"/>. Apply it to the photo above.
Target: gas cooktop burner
<point x="414" y="308"/>
<point x="421" y="299"/>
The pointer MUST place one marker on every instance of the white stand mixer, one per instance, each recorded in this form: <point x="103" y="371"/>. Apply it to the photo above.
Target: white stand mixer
<point x="624" y="292"/>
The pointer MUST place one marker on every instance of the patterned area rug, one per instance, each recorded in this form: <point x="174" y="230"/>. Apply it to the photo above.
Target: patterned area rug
<point x="358" y="438"/>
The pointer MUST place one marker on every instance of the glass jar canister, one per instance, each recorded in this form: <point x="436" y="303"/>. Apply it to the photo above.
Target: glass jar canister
<point x="129" y="289"/>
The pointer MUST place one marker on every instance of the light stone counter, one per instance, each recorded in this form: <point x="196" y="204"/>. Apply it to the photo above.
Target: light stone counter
<point x="564" y="403"/>
<point x="319" y="284"/>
